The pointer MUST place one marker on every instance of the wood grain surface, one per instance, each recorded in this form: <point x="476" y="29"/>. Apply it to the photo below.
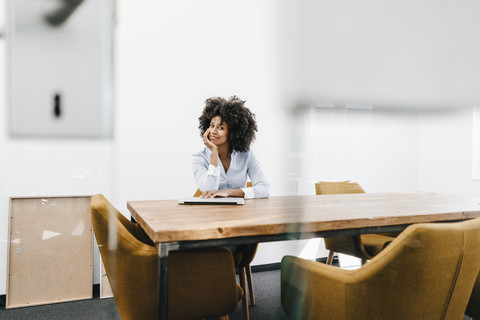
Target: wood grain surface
<point x="167" y="221"/>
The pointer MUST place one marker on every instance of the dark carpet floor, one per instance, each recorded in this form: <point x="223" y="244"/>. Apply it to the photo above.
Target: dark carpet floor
<point x="267" y="296"/>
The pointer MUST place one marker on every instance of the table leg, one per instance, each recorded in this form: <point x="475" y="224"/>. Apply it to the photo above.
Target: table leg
<point x="163" y="250"/>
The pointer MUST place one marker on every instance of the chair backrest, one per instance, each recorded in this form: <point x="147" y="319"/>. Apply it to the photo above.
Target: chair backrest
<point x="130" y="263"/>
<point x="198" y="193"/>
<point x="337" y="187"/>
<point x="349" y="244"/>
<point x="427" y="272"/>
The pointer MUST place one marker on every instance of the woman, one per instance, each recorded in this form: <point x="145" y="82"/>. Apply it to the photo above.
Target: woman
<point x="221" y="169"/>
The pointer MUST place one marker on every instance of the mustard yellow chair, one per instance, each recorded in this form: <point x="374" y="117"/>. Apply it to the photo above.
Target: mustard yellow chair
<point x="473" y="308"/>
<point x="201" y="282"/>
<point x="243" y="258"/>
<point x="427" y="272"/>
<point x="365" y="246"/>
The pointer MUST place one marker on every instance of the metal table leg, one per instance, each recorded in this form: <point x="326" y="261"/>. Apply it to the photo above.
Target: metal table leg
<point x="163" y="250"/>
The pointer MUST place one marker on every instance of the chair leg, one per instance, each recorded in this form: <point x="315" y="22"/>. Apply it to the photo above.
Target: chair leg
<point x="241" y="275"/>
<point x="250" y="285"/>
<point x="330" y="257"/>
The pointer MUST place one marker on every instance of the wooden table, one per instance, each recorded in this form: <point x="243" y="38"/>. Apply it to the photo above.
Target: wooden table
<point x="173" y="227"/>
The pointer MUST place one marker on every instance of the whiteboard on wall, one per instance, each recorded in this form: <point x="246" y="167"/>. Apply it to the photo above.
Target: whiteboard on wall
<point x="60" y="77"/>
<point x="50" y="256"/>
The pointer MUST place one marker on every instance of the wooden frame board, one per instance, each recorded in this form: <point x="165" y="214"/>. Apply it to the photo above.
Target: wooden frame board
<point x="105" y="288"/>
<point x="50" y="250"/>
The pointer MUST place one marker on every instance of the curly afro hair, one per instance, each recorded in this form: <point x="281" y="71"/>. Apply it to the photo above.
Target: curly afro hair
<point x="239" y="119"/>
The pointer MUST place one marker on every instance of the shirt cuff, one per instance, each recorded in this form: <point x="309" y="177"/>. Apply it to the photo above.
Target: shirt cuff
<point x="213" y="171"/>
<point x="248" y="193"/>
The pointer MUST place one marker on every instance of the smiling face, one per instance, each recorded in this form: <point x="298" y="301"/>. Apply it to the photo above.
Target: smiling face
<point x="218" y="131"/>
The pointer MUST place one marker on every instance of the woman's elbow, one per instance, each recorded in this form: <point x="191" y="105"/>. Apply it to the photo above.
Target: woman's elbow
<point x="263" y="193"/>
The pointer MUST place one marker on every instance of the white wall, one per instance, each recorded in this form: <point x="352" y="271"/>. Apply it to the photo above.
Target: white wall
<point x="32" y="167"/>
<point x="176" y="55"/>
<point x="171" y="56"/>
<point x="445" y="150"/>
<point x="376" y="147"/>
<point x="169" y="59"/>
<point x="386" y="53"/>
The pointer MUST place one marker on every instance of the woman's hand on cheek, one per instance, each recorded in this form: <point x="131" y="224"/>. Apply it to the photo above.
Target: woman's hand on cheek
<point x="207" y="141"/>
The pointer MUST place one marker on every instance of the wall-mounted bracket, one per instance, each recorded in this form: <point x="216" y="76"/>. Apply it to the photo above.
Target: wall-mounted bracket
<point x="63" y="12"/>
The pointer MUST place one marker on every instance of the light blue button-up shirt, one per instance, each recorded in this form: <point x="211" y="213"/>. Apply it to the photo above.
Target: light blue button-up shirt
<point x="242" y="165"/>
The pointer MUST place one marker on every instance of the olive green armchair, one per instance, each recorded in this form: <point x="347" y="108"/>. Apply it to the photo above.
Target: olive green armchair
<point x="427" y="272"/>
<point x="364" y="246"/>
<point x="201" y="282"/>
